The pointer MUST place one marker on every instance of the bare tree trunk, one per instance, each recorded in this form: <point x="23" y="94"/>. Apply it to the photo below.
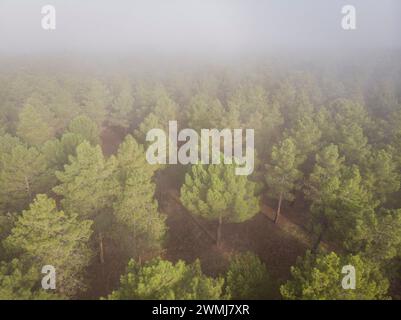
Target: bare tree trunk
<point x="101" y="248"/>
<point x="278" y="208"/>
<point x="218" y="238"/>
<point x="102" y="266"/>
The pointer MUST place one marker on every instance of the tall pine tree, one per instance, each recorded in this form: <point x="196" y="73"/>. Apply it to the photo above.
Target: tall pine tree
<point x="214" y="192"/>
<point x="46" y="236"/>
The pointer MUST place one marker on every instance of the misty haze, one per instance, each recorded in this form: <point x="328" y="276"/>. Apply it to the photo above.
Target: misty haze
<point x="91" y="90"/>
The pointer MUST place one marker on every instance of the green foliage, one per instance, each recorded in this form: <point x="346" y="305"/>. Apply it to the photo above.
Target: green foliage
<point x="146" y="98"/>
<point x="19" y="282"/>
<point x="382" y="175"/>
<point x="282" y="176"/>
<point x="247" y="278"/>
<point x="64" y="107"/>
<point x="96" y="101"/>
<point x="58" y="151"/>
<point x="44" y="235"/>
<point x="350" y="218"/>
<point x="121" y="108"/>
<point x="7" y="143"/>
<point x="87" y="183"/>
<point x="342" y="208"/>
<point x="162" y="111"/>
<point x="385" y="241"/>
<point x="161" y="279"/>
<point x="325" y="179"/>
<point x="352" y="143"/>
<point x="297" y="95"/>
<point x="88" y="186"/>
<point x="205" y="112"/>
<point x="23" y="173"/>
<point x="33" y="127"/>
<point x="339" y="128"/>
<point x="6" y="223"/>
<point x="301" y="107"/>
<point x="139" y="224"/>
<point x="250" y="107"/>
<point x="214" y="192"/>
<point x="347" y="121"/>
<point x="319" y="277"/>
<point x="85" y="128"/>
<point x="306" y="135"/>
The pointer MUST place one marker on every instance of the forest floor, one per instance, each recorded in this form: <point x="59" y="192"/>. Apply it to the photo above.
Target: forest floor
<point x="276" y="244"/>
<point x="190" y="238"/>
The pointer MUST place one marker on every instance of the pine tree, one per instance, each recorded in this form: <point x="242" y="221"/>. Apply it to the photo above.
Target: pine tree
<point x="33" y="127"/>
<point x="163" y="111"/>
<point x="247" y="278"/>
<point x="47" y="236"/>
<point x="343" y="209"/>
<point x="302" y="106"/>
<point x="18" y="281"/>
<point x="96" y="101"/>
<point x="86" y="182"/>
<point x="249" y="107"/>
<point x="64" y="107"/>
<point x="58" y="151"/>
<point x="214" y="192"/>
<point x="7" y="143"/>
<point x="7" y="221"/>
<point x="205" y="112"/>
<point x="385" y="243"/>
<point x="84" y="127"/>
<point x="351" y="217"/>
<point x="322" y="187"/>
<point x="382" y="175"/>
<point x="325" y="177"/>
<point x="24" y="173"/>
<point x="88" y="187"/>
<point x="282" y="174"/>
<point x="122" y="107"/>
<point x="135" y="208"/>
<point x="352" y="143"/>
<point x="348" y="121"/>
<point x="146" y="99"/>
<point x="319" y="277"/>
<point x="306" y="136"/>
<point x="162" y="280"/>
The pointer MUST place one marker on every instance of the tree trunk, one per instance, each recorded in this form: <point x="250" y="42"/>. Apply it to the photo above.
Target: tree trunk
<point x="218" y="238"/>
<point x="278" y="208"/>
<point x="102" y="266"/>
<point x="101" y="248"/>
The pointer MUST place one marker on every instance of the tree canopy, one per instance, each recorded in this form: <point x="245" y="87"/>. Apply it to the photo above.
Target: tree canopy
<point x="319" y="277"/>
<point x="161" y="279"/>
<point x="215" y="193"/>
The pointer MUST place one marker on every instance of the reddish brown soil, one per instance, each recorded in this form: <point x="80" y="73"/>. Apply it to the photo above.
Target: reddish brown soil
<point x="111" y="139"/>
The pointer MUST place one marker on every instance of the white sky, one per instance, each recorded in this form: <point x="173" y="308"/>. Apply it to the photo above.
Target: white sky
<point x="221" y="26"/>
